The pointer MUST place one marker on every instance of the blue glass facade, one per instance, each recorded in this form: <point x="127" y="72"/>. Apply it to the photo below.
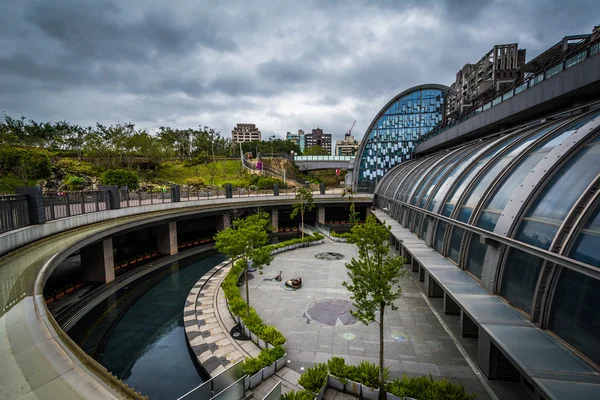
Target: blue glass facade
<point x="393" y="134"/>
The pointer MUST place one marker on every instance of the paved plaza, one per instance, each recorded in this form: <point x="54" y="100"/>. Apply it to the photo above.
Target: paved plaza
<point x="415" y="341"/>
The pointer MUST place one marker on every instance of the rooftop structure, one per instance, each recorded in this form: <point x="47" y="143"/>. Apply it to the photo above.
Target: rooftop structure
<point x="346" y="147"/>
<point x="245" y="133"/>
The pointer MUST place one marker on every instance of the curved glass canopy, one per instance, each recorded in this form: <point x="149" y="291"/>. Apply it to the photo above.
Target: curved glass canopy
<point x="478" y="182"/>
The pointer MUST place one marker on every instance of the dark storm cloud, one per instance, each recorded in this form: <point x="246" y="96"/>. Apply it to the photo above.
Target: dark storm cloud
<point x="281" y="65"/>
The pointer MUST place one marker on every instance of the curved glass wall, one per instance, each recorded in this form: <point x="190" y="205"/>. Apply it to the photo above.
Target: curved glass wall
<point x="393" y="136"/>
<point x="475" y="183"/>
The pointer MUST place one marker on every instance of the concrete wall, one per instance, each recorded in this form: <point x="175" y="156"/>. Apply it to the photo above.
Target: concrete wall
<point x="576" y="84"/>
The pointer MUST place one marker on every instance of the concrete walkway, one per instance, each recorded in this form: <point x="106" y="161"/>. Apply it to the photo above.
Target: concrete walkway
<point x="416" y="343"/>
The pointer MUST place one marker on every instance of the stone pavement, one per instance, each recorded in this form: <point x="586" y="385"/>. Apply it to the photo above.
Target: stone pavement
<point x="415" y="342"/>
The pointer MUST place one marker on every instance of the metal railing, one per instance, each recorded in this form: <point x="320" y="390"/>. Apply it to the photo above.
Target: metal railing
<point x="14" y="209"/>
<point x="229" y="384"/>
<point x="569" y="61"/>
<point x="67" y="204"/>
<point x="133" y="198"/>
<point x="13" y="212"/>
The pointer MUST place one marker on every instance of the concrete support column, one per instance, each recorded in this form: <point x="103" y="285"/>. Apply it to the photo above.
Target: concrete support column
<point x="97" y="262"/>
<point x="321" y="215"/>
<point x="275" y="218"/>
<point x="114" y="196"/>
<point x="167" y="239"/>
<point x="223" y="222"/>
<point x="35" y="204"/>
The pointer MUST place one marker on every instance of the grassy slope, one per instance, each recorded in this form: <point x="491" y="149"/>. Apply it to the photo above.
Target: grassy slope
<point x="228" y="171"/>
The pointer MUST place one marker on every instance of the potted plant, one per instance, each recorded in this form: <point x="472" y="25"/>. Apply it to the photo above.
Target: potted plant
<point x="268" y="362"/>
<point x="315" y="379"/>
<point x="272" y="336"/>
<point x="253" y="369"/>
<point x="279" y="354"/>
<point x="352" y="385"/>
<point x="337" y="373"/>
<point x="298" y="395"/>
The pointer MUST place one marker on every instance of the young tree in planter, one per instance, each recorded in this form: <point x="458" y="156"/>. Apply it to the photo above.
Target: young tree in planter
<point x="304" y="202"/>
<point x="374" y="279"/>
<point x="353" y="215"/>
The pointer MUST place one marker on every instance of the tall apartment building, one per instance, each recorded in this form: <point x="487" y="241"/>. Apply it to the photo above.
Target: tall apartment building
<point x="318" y="138"/>
<point x="245" y="133"/>
<point x="297" y="138"/>
<point x="498" y="68"/>
<point x="346" y="147"/>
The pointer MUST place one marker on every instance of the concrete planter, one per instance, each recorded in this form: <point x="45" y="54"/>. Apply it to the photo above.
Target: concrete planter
<point x="268" y="371"/>
<point x="246" y="382"/>
<point x="253" y="336"/>
<point x="256" y="379"/>
<point x="353" y="387"/>
<point x="369" y="393"/>
<point x="393" y="396"/>
<point x="280" y="363"/>
<point x="237" y="319"/>
<point x="321" y="392"/>
<point x="335" y="383"/>
<point x="261" y="343"/>
<point x="247" y="332"/>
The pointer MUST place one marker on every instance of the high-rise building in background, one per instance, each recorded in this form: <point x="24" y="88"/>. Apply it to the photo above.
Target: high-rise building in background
<point x="318" y="138"/>
<point x="297" y="138"/>
<point x="497" y="69"/>
<point x="245" y="133"/>
<point x="346" y="147"/>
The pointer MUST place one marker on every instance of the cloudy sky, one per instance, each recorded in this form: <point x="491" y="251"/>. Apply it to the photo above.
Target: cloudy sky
<point x="283" y="65"/>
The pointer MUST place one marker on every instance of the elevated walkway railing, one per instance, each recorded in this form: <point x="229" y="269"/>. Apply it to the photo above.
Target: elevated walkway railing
<point x="570" y="61"/>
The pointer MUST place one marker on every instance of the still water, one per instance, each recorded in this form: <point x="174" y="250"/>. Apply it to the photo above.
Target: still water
<point x="147" y="348"/>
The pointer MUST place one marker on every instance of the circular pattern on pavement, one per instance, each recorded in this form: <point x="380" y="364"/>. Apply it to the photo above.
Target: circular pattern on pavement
<point x="329" y="256"/>
<point x="332" y="312"/>
<point x="349" y="336"/>
<point x="400" y="336"/>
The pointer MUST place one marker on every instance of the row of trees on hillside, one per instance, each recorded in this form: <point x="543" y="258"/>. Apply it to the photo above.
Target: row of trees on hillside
<point x="125" y="140"/>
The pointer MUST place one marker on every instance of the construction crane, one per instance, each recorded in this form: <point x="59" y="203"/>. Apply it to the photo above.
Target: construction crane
<point x="349" y="133"/>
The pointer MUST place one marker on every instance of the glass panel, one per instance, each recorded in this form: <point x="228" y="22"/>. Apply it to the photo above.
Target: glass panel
<point x="476" y="256"/>
<point x="520" y="278"/>
<point x="439" y="236"/>
<point x="575" y="312"/>
<point x="395" y="132"/>
<point x="426" y="223"/>
<point x="455" y="240"/>
<point x="585" y="248"/>
<point x="559" y="196"/>
<point x="415" y="177"/>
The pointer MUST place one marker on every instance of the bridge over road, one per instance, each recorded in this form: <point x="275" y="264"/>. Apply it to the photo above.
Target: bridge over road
<point x="313" y="163"/>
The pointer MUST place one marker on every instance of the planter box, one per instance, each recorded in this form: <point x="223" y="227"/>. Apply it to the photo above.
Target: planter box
<point x="268" y="371"/>
<point x="256" y="379"/>
<point x="369" y="393"/>
<point x="280" y="363"/>
<point x="393" y="396"/>
<point x="262" y="344"/>
<point x="322" y="392"/>
<point x="253" y="337"/>
<point x="353" y="387"/>
<point x="247" y="332"/>
<point x="237" y="319"/>
<point x="335" y="383"/>
<point x="246" y="382"/>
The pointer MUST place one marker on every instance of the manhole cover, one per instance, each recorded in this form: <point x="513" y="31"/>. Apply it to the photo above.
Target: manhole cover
<point x="329" y="256"/>
<point x="332" y="312"/>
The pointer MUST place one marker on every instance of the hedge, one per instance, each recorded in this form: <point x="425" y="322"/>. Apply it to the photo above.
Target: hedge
<point x="121" y="177"/>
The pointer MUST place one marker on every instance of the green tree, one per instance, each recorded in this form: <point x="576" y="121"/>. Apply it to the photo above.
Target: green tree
<point x="315" y="151"/>
<point x="304" y="202"/>
<point x="374" y="279"/>
<point x="247" y="239"/>
<point x="353" y="215"/>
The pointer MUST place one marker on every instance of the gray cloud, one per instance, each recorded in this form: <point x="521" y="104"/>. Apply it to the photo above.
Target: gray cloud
<point x="282" y="66"/>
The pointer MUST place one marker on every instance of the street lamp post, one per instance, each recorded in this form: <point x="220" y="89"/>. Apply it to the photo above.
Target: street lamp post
<point x="272" y="139"/>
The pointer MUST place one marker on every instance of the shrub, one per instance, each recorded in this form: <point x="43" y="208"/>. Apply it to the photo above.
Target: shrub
<point x="266" y="182"/>
<point x="425" y="388"/>
<point x="236" y="304"/>
<point x="121" y="177"/>
<point x="75" y="167"/>
<point x="266" y="357"/>
<point x="314" y="378"/>
<point x="195" y="181"/>
<point x="337" y="367"/>
<point x="298" y="395"/>
<point x="253" y="321"/>
<point x="368" y="374"/>
<point x="277" y="352"/>
<point x="25" y="163"/>
<point x="252" y="365"/>
<point x="271" y="335"/>
<point x="345" y="235"/>
<point x="73" y="182"/>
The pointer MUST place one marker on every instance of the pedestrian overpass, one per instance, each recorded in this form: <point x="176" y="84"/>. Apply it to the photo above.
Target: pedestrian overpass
<point x="313" y="163"/>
